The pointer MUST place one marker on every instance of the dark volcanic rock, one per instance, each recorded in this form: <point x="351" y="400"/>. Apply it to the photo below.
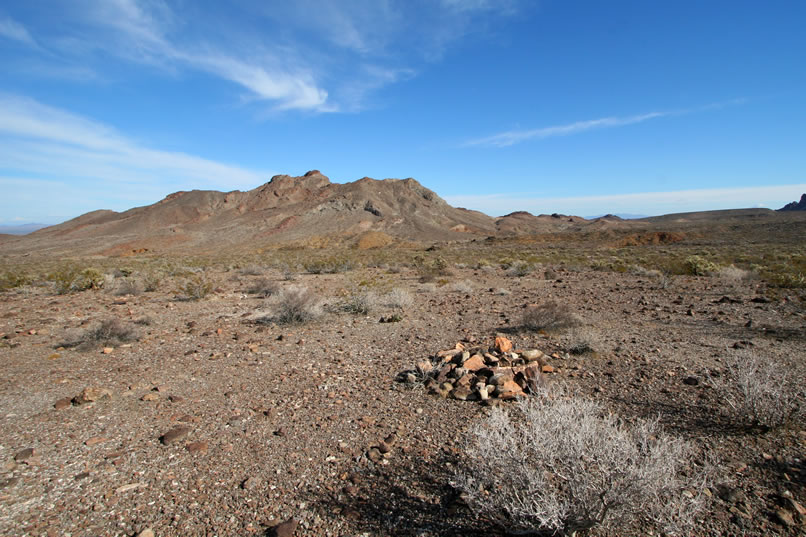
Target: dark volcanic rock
<point x="795" y="205"/>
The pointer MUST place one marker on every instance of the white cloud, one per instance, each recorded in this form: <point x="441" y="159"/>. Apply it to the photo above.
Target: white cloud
<point x="508" y="138"/>
<point x="11" y="29"/>
<point x="647" y="203"/>
<point x="46" y="141"/>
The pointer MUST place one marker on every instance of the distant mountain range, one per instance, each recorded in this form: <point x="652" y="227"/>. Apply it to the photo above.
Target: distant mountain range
<point x="311" y="212"/>
<point x="20" y="229"/>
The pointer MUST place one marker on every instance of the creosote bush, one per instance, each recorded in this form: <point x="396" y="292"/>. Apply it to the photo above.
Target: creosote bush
<point x="699" y="266"/>
<point x="398" y="298"/>
<point x="549" y="316"/>
<point x="195" y="288"/>
<point x="13" y="278"/>
<point x="70" y="279"/>
<point x="558" y="464"/>
<point x="362" y="303"/>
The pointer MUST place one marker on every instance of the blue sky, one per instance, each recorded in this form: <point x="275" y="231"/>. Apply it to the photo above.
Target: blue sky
<point x="578" y="107"/>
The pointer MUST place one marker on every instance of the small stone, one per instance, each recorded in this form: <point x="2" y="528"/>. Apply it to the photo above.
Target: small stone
<point x="197" y="447"/>
<point x="509" y="390"/>
<point x="462" y="393"/>
<point x="411" y="378"/>
<point x="148" y="532"/>
<point x="284" y="529"/>
<point x="174" y="434"/>
<point x="62" y="403"/>
<point x="532" y="354"/>
<point x="108" y="350"/>
<point x="250" y="483"/>
<point x="176" y="398"/>
<point x="503" y="344"/>
<point x="94" y="441"/>
<point x="785" y="518"/>
<point x="483" y="394"/>
<point x="691" y="381"/>
<point x="374" y="454"/>
<point x="25" y="455"/>
<point x="150" y="396"/>
<point x="91" y="394"/>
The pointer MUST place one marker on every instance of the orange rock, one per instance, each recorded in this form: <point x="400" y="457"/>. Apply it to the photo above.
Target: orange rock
<point x="474" y="363"/>
<point x="548" y="369"/>
<point x="502" y="344"/>
<point x="95" y="440"/>
<point x="509" y="390"/>
<point x="108" y="350"/>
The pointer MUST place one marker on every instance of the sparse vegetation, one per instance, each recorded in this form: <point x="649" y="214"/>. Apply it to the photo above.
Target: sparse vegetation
<point x="431" y="270"/>
<point x="699" y="266"/>
<point x="12" y="279"/>
<point x="550" y="316"/>
<point x="127" y="286"/>
<point x="195" y="288"/>
<point x="293" y="305"/>
<point x="582" y="341"/>
<point x="361" y="303"/>
<point x="107" y="332"/>
<point x="70" y="279"/>
<point x="398" y="298"/>
<point x="761" y="393"/>
<point x="560" y="465"/>
<point x="264" y="288"/>
<point x="330" y="265"/>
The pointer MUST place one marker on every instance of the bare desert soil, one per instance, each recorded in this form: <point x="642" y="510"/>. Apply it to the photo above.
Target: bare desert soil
<point x="281" y="420"/>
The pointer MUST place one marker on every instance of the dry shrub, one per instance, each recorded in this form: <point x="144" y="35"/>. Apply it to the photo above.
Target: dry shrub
<point x="252" y="270"/>
<point x="582" y="341"/>
<point x="361" y="303"/>
<point x="559" y="464"/>
<point x="733" y="275"/>
<point x="549" y="316"/>
<point x="264" y="287"/>
<point x="294" y="305"/>
<point x="107" y="332"/>
<point x="519" y="269"/>
<point x="128" y="286"/>
<point x="464" y="287"/>
<point x="762" y="393"/>
<point x="398" y="298"/>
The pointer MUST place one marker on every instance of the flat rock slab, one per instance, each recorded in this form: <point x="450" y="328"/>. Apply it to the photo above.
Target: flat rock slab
<point x="177" y="433"/>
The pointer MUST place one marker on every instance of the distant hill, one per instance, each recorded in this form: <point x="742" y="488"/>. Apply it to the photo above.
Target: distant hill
<point x="20" y="229"/>
<point x="795" y="205"/>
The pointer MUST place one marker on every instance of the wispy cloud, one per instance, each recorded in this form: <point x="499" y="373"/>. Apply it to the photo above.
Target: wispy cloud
<point x="508" y="138"/>
<point x="11" y="29"/>
<point x="48" y="142"/>
<point x="648" y="203"/>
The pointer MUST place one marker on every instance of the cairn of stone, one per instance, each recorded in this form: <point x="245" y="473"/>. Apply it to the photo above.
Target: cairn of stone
<point x="476" y="373"/>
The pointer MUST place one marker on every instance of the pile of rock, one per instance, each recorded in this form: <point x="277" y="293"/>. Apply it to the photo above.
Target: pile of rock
<point x="475" y="373"/>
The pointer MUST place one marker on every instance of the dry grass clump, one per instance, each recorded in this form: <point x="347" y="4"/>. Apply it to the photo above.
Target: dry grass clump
<point x="550" y="316"/>
<point x="127" y="286"/>
<point x="264" y="288"/>
<point x="583" y="341"/>
<point x="109" y="332"/>
<point x="331" y="265"/>
<point x="761" y="393"/>
<point x="559" y="465"/>
<point x="519" y="269"/>
<point x="11" y="279"/>
<point x="733" y="275"/>
<point x="293" y="305"/>
<point x="252" y="270"/>
<point x="463" y="286"/>
<point x="362" y="303"/>
<point x="398" y="298"/>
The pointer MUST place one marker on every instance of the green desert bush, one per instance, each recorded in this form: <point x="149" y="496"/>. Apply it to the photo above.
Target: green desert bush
<point x="361" y="303"/>
<point x="11" y="279"/>
<point x="71" y="279"/>
<point x="431" y="270"/>
<point x="195" y="288"/>
<point x="699" y="266"/>
<point x="557" y="464"/>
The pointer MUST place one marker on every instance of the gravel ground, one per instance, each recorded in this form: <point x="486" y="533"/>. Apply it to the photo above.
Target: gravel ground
<point x="273" y="422"/>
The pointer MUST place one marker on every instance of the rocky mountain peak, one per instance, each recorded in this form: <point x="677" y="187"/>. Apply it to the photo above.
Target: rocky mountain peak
<point x="795" y="205"/>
